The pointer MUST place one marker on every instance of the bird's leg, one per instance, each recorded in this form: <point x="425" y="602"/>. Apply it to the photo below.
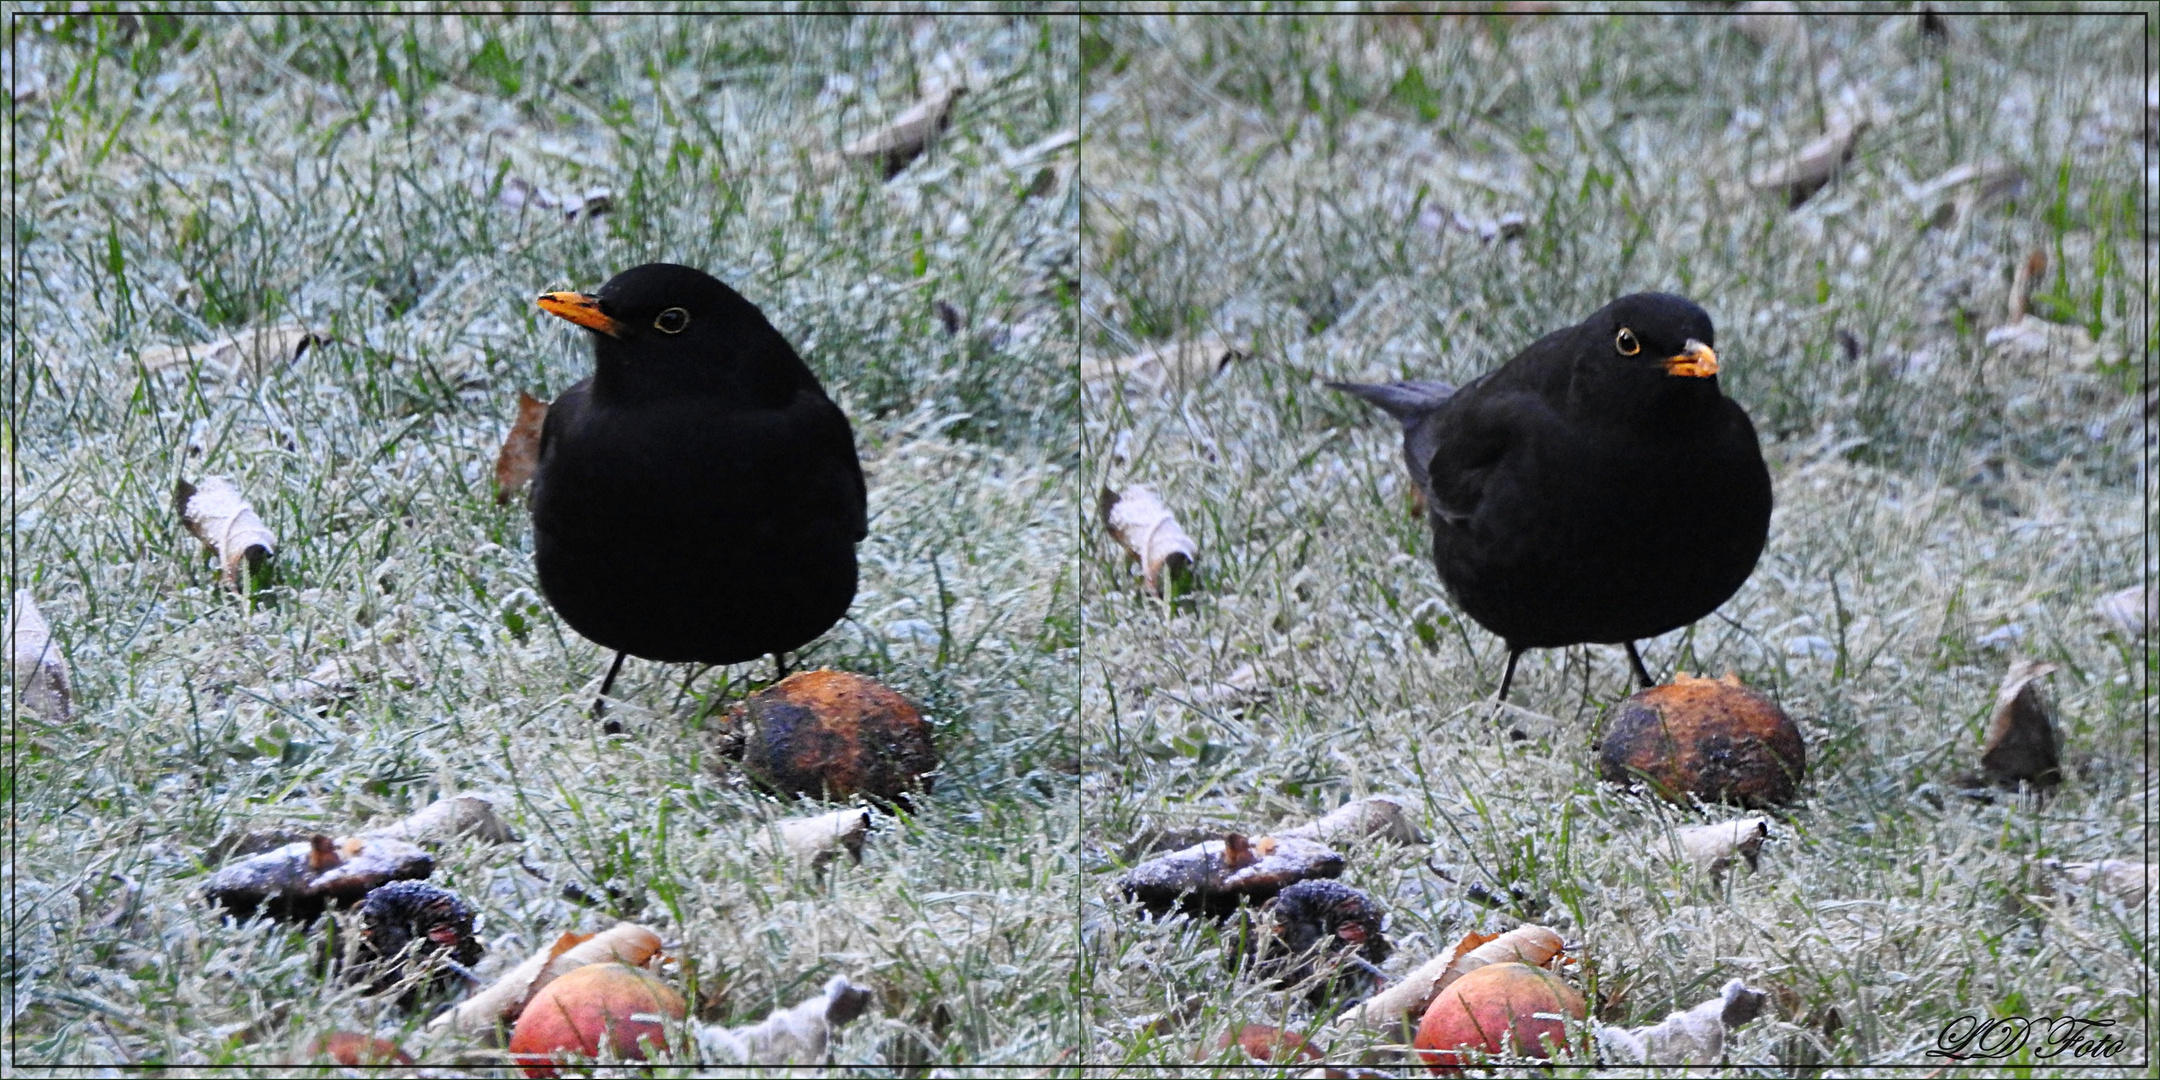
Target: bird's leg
<point x="1507" y="678"/>
<point x="779" y="666"/>
<point x="1641" y="674"/>
<point x="599" y="705"/>
<point x="684" y="690"/>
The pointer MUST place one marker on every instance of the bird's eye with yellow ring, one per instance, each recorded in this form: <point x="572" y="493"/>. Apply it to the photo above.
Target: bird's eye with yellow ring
<point x="672" y="321"/>
<point x="1626" y="342"/>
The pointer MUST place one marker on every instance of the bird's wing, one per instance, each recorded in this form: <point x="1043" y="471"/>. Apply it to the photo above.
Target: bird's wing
<point x="837" y="469"/>
<point x="1467" y="440"/>
<point x="1413" y="402"/>
<point x="562" y="414"/>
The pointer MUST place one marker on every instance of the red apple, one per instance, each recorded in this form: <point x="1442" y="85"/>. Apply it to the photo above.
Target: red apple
<point x="615" y="1002"/>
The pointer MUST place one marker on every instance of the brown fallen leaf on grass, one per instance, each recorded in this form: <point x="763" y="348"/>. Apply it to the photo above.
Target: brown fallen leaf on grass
<point x="2022" y="744"/>
<point x="352" y="1049"/>
<point x="902" y="139"/>
<point x="2127" y="881"/>
<point x="502" y="1000"/>
<point x="2024" y="281"/>
<point x="2131" y="610"/>
<point x="1140" y="523"/>
<point x="1408" y="998"/>
<point x="297" y="881"/>
<point x="1801" y="174"/>
<point x="1693" y="1037"/>
<point x="41" y="674"/>
<point x="218" y="516"/>
<point x="1172" y="366"/>
<point x="520" y="453"/>
<point x="1212" y="877"/>
<point x="243" y="353"/>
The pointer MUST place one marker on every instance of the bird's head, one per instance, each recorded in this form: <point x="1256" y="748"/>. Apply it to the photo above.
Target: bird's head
<point x="1656" y="332"/>
<point x="677" y="327"/>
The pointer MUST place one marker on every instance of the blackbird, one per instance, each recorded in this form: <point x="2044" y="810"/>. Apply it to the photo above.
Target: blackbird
<point x="1599" y="487"/>
<point x="698" y="499"/>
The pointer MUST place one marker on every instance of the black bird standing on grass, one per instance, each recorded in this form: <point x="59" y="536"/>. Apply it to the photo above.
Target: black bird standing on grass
<point x="1599" y="487"/>
<point x="698" y="499"/>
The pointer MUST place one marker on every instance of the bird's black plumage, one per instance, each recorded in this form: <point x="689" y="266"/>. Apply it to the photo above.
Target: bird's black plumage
<point x="1599" y="487"/>
<point x="699" y="497"/>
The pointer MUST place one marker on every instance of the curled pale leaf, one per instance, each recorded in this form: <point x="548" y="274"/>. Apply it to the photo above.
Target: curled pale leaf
<point x="901" y="140"/>
<point x="1963" y="190"/>
<point x="1712" y="848"/>
<point x="2131" y="610"/>
<point x="1693" y="1037"/>
<point x="1173" y="366"/>
<point x="1802" y="173"/>
<point x="795" y="1035"/>
<point x="1527" y="944"/>
<point x="501" y="1000"/>
<point x="1141" y="523"/>
<point x="244" y="353"/>
<point x="2072" y="346"/>
<point x="218" y="516"/>
<point x="520" y="453"/>
<point x="2124" y="880"/>
<point x="815" y="840"/>
<point x="41" y="675"/>
<point x="2022" y="283"/>
<point x="451" y="817"/>
<point x="2022" y="743"/>
<point x="1375" y="817"/>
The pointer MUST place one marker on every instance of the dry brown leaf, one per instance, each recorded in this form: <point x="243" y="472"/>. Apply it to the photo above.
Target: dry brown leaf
<point x="889" y="149"/>
<point x="2022" y="744"/>
<point x="2131" y="610"/>
<point x="1141" y="523"/>
<point x="1175" y="366"/>
<point x="520" y="453"/>
<point x="2124" y="880"/>
<point x="1804" y="172"/>
<point x="2024" y="281"/>
<point x="250" y="353"/>
<point x="1712" y="848"/>
<point x="501" y="1000"/>
<point x="218" y="516"/>
<point x="1527" y="944"/>
<point x="41" y="674"/>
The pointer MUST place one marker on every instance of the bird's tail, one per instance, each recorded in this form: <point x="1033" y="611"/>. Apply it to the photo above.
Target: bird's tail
<point x="1409" y="401"/>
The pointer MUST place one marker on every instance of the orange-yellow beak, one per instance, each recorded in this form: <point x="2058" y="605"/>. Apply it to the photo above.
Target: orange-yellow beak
<point x="581" y="309"/>
<point x="1698" y="361"/>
